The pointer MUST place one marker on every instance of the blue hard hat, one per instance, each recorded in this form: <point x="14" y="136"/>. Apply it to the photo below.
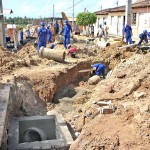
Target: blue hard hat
<point x="52" y="46"/>
<point x="145" y="31"/>
<point x="42" y="23"/>
<point x="66" y="21"/>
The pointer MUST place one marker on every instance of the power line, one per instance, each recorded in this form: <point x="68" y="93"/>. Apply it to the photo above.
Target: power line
<point x="71" y="6"/>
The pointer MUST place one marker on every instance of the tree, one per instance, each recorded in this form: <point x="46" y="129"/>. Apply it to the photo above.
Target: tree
<point x="86" y="18"/>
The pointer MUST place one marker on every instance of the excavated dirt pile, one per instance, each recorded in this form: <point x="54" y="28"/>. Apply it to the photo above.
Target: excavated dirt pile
<point x="128" y="128"/>
<point x="10" y="61"/>
<point x="110" y="55"/>
<point x="128" y="87"/>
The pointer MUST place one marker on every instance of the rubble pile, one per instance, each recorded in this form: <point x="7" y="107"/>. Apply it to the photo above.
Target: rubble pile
<point x="105" y="114"/>
<point x="128" y="88"/>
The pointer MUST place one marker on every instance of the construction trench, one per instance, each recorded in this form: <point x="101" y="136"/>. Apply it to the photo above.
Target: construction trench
<point x="50" y="105"/>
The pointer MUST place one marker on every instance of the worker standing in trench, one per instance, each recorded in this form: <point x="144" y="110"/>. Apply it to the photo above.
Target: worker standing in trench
<point x="42" y="36"/>
<point x="67" y="30"/>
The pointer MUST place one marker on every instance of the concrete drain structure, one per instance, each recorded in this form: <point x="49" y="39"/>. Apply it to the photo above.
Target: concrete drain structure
<point x="39" y="132"/>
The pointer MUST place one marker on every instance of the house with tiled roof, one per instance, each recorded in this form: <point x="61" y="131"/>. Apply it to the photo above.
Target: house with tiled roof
<point x="115" y="17"/>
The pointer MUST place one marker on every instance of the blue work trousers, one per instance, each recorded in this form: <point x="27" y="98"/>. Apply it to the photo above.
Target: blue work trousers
<point x="141" y="40"/>
<point x="129" y="40"/>
<point x="66" y="40"/>
<point x="49" y="39"/>
<point x="100" y="71"/>
<point x="40" y="43"/>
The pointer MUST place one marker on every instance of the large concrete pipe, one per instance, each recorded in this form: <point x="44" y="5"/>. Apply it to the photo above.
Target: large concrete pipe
<point x="126" y="46"/>
<point x="101" y="44"/>
<point x="53" y="54"/>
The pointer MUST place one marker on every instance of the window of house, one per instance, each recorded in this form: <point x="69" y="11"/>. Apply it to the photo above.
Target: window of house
<point x="134" y="19"/>
<point x="112" y="20"/>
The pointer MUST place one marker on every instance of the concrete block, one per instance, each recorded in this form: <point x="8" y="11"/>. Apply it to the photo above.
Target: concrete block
<point x="105" y="110"/>
<point x="39" y="132"/>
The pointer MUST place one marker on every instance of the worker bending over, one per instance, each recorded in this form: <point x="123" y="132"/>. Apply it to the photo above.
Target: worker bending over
<point x="99" y="69"/>
<point x="143" y="37"/>
<point x="49" y="35"/>
<point x="71" y="51"/>
<point x="67" y="30"/>
<point x="128" y="34"/>
<point x="42" y="36"/>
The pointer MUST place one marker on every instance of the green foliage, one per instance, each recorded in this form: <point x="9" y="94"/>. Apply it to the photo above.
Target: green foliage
<point x="86" y="18"/>
<point x="23" y="21"/>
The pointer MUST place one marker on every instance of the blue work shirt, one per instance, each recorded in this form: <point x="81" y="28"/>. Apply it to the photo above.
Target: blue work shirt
<point x="143" y="36"/>
<point x="100" y="68"/>
<point x="42" y="34"/>
<point x="67" y="29"/>
<point x="128" y="30"/>
<point x="21" y="35"/>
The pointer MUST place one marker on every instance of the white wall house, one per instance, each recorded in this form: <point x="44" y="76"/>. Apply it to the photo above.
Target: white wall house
<point x="115" y="17"/>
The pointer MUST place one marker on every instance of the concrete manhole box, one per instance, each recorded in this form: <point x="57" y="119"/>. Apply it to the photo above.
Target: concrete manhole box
<point x="39" y="133"/>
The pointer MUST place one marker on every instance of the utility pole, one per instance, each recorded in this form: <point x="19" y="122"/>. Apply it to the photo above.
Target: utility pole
<point x="53" y="12"/>
<point x="2" y="27"/>
<point x="101" y="7"/>
<point x="117" y="3"/>
<point x="73" y="16"/>
<point x="128" y="12"/>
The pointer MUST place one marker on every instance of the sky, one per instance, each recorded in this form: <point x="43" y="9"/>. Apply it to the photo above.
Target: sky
<point x="44" y="8"/>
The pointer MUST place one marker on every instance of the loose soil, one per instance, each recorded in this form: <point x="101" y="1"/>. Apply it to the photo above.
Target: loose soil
<point x="59" y="86"/>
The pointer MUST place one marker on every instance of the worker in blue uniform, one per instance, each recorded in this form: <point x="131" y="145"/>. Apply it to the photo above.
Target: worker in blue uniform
<point x="148" y="34"/>
<point x="128" y="34"/>
<point x="143" y="37"/>
<point x="56" y="27"/>
<point x="21" y="36"/>
<point x="123" y="31"/>
<point x="67" y="30"/>
<point x="27" y="33"/>
<point x="49" y="35"/>
<point x="42" y="36"/>
<point x="99" y="69"/>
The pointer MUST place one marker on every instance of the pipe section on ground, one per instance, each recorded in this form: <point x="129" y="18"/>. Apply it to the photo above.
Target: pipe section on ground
<point x="52" y="54"/>
<point x="101" y="44"/>
<point x="126" y="46"/>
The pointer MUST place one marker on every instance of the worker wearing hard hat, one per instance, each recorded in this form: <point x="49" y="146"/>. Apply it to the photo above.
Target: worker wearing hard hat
<point x="67" y="30"/>
<point x="128" y="34"/>
<point x="49" y="35"/>
<point x="42" y="36"/>
<point x="143" y="37"/>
